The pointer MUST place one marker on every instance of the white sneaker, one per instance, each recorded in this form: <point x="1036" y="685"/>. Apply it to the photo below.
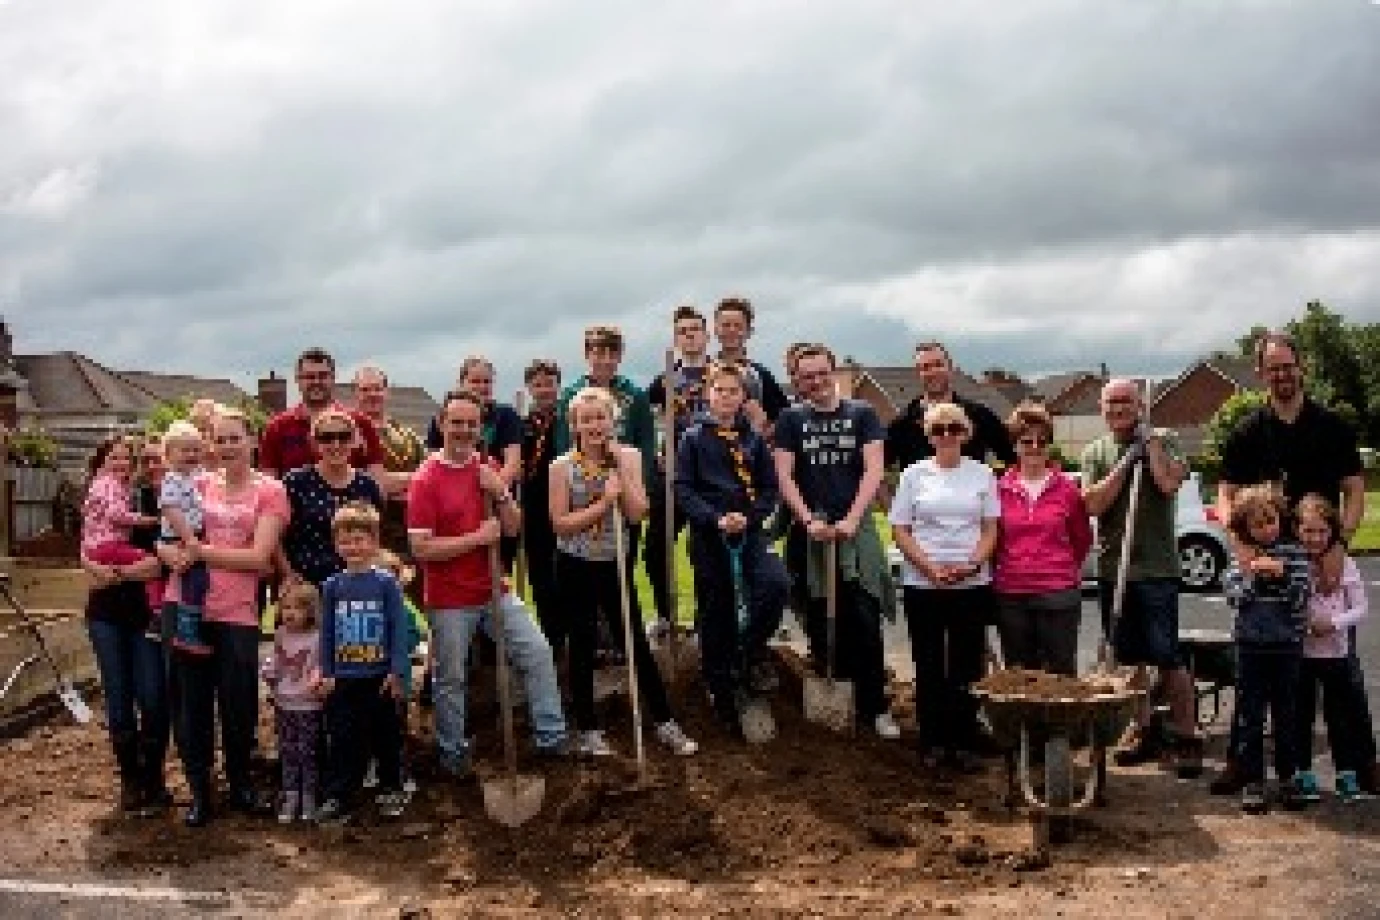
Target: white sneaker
<point x="291" y="801"/>
<point x="593" y="744"/>
<point x="886" y="727"/>
<point x="371" y="775"/>
<point x="675" y="738"/>
<point x="308" y="807"/>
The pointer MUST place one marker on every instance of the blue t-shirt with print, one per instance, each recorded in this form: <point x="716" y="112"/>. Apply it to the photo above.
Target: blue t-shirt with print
<point x="364" y="625"/>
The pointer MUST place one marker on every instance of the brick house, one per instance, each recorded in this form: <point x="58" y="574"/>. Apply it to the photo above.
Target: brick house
<point x="1188" y="402"/>
<point x="890" y="389"/>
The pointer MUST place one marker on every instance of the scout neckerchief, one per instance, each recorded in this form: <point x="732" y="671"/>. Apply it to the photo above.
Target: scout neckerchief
<point x="729" y="435"/>
<point x="402" y="450"/>
<point x="594" y="478"/>
<point x="539" y="422"/>
<point x="687" y="396"/>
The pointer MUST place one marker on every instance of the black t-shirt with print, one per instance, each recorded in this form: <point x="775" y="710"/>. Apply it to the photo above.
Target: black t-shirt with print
<point x="828" y="449"/>
<point x="307" y="543"/>
<point x="1313" y="454"/>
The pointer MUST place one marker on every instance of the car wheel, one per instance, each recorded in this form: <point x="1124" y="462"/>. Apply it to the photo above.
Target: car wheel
<point x="1200" y="563"/>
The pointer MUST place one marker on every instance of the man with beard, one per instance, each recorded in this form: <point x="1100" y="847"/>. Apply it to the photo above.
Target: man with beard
<point x="1300" y="447"/>
<point x="905" y="436"/>
<point x="451" y="530"/>
<point x="286" y="443"/>
<point x="688" y="402"/>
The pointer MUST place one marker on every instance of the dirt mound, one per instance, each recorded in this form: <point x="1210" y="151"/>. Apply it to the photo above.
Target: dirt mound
<point x="1041" y="685"/>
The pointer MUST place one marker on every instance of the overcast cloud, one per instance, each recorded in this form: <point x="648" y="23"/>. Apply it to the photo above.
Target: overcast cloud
<point x="207" y="186"/>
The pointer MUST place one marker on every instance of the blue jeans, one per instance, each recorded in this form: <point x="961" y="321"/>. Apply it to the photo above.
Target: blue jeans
<point x="452" y="631"/>
<point x="132" y="679"/>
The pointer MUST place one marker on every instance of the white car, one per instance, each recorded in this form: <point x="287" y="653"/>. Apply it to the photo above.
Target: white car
<point x="1203" y="550"/>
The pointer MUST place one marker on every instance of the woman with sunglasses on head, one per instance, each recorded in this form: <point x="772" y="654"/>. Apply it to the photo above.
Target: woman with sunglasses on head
<point x="944" y="521"/>
<point x="315" y="493"/>
<point x="1045" y="535"/>
<point x="244" y="512"/>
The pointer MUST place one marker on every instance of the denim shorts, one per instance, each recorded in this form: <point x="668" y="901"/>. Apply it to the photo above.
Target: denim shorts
<point x="1148" y="631"/>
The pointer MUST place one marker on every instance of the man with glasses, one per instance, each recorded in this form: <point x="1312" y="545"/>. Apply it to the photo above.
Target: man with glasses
<point x="905" y="435"/>
<point x="1147" y="634"/>
<point x="286" y="443"/>
<point x="1301" y="447"/>
<point x="688" y="402"/>
<point x="829" y="465"/>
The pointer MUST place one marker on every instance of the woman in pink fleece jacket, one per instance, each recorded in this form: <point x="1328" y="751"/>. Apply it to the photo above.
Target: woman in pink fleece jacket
<point x="1044" y="536"/>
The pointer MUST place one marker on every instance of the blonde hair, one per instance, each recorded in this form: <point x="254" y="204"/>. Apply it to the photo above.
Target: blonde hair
<point x="356" y="517"/>
<point x="946" y="412"/>
<point x="591" y="396"/>
<point x="180" y="432"/>
<point x="332" y="415"/>
<point x="305" y="594"/>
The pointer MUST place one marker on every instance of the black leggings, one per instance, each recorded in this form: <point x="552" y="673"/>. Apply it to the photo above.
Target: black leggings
<point x="225" y="684"/>
<point x="588" y="588"/>
<point x="948" y="634"/>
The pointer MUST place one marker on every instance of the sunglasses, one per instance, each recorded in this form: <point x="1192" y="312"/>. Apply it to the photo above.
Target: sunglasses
<point x="1033" y="442"/>
<point x="953" y="430"/>
<point x="334" y="437"/>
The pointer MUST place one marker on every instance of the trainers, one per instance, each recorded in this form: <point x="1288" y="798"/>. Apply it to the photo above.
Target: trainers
<point x="1306" y="786"/>
<point x="291" y="801"/>
<point x="308" y="807"/>
<point x="594" y="744"/>
<point x="1348" y="787"/>
<point x="332" y="813"/>
<point x="886" y="727"/>
<point x="1253" y="801"/>
<point x="391" y="804"/>
<point x="675" y="738"/>
<point x="371" y="775"/>
<point x="1146" y="749"/>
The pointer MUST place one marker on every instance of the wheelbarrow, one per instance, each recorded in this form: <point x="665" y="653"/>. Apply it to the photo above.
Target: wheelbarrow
<point x="1095" y="722"/>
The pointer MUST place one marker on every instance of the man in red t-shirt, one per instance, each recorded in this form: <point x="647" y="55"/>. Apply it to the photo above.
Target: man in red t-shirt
<point x="286" y="443"/>
<point x="451" y="531"/>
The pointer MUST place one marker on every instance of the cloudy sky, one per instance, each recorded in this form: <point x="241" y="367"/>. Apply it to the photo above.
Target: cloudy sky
<point x="210" y="185"/>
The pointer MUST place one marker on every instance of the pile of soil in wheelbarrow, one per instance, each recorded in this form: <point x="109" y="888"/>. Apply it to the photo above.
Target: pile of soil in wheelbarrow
<point x="1042" y="685"/>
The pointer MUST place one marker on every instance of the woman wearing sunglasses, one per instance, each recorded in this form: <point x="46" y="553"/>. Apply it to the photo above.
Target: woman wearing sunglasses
<point x="316" y="492"/>
<point x="944" y="521"/>
<point x="1045" y="535"/>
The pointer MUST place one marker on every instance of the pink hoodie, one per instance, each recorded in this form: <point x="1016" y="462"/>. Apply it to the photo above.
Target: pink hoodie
<point x="1042" y="544"/>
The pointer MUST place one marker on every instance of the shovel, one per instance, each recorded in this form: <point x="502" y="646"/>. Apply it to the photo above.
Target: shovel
<point x="668" y="480"/>
<point x="1106" y="653"/>
<point x="754" y="713"/>
<point x="513" y="799"/>
<point x="66" y="692"/>
<point x="520" y="560"/>
<point x="639" y="745"/>
<point x="828" y="701"/>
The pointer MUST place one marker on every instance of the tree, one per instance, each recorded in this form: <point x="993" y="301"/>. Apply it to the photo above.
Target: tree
<point x="172" y="410"/>
<point x="1226" y="420"/>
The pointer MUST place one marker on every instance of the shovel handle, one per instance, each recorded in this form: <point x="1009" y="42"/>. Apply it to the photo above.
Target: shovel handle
<point x="831" y="604"/>
<point x="505" y="700"/>
<point x="624" y="600"/>
<point x="1106" y="652"/>
<point x="668" y="483"/>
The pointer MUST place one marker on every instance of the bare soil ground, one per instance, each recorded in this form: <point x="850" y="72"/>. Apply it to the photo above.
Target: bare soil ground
<point x="810" y="825"/>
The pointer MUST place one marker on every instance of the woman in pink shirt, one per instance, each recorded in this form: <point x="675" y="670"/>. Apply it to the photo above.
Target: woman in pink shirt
<point x="244" y="515"/>
<point x="1043" y="538"/>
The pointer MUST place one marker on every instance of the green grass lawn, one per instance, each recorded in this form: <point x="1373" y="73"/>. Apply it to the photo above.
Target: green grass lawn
<point x="1368" y="535"/>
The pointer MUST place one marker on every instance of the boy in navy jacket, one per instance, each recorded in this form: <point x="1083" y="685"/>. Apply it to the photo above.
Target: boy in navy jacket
<point x="726" y="487"/>
<point x="364" y="657"/>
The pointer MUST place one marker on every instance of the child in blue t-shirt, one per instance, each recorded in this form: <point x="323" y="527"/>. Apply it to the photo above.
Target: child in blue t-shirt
<point x="364" y="658"/>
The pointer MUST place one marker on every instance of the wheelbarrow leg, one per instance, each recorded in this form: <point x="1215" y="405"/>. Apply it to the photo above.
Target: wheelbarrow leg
<point x="1099" y="758"/>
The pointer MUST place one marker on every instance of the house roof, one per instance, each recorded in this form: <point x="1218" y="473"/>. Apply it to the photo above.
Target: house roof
<point x="1049" y="388"/>
<point x="1236" y="370"/>
<point x="901" y="385"/>
<point x="167" y="387"/>
<point x="68" y="382"/>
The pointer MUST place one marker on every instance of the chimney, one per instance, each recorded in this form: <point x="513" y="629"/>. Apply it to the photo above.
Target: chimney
<point x="6" y="344"/>
<point x="1103" y="372"/>
<point x="273" y="393"/>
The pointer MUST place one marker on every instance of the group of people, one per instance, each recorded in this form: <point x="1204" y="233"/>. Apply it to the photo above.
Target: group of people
<point x="183" y="531"/>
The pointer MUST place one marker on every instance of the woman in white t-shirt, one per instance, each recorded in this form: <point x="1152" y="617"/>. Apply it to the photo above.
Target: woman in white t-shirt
<point x="944" y="521"/>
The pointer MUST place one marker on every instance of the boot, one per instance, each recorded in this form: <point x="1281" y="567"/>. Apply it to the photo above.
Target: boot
<point x="126" y="745"/>
<point x="157" y="798"/>
<point x="199" y="812"/>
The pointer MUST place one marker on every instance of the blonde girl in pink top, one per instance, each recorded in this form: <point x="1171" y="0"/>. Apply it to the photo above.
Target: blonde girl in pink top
<point x="244" y="516"/>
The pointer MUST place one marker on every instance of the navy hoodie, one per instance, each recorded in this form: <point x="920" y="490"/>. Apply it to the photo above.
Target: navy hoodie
<point x="708" y="487"/>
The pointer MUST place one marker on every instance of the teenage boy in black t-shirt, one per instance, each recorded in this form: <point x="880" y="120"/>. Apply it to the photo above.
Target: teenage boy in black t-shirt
<point x="829" y="464"/>
<point x="732" y="327"/>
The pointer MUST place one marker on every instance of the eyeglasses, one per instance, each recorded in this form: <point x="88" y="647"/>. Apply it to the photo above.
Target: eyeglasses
<point x="812" y="375"/>
<point x="316" y="375"/>
<point x="334" y="437"/>
<point x="227" y="439"/>
<point x="1033" y="442"/>
<point x="1280" y="369"/>
<point x="953" y="430"/>
<point x="1120" y="401"/>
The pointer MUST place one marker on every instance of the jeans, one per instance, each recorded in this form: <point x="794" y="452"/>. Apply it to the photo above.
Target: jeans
<point x="1147" y="633"/>
<point x="593" y="589"/>
<point x="1343" y="714"/>
<point x="1039" y="632"/>
<point x="724" y="653"/>
<point x="134" y="683"/>
<point x="1265" y="679"/>
<point x="225" y="684"/>
<point x="452" y="631"/>
<point x="948" y="634"/>
<point x="361" y="722"/>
